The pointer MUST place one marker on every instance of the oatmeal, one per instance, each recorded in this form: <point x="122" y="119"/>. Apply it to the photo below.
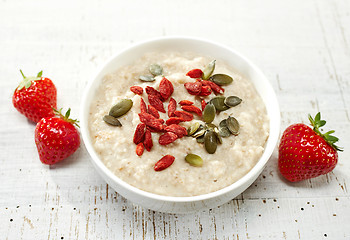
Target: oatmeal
<point x="159" y="155"/>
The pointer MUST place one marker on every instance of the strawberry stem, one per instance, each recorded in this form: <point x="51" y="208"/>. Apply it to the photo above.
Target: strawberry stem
<point x="66" y="116"/>
<point x="22" y="73"/>
<point x="317" y="123"/>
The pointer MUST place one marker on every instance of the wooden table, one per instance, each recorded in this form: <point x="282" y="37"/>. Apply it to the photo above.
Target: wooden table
<point x="303" y="46"/>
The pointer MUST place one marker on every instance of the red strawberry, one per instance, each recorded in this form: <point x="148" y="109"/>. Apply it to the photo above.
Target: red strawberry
<point x="307" y="153"/>
<point x="56" y="138"/>
<point x="35" y="97"/>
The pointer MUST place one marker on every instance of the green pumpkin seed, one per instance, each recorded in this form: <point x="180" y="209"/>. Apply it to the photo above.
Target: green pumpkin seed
<point x="223" y="129"/>
<point x="221" y="79"/>
<point x="147" y="78"/>
<point x="193" y="128"/>
<point x="210" y="142"/>
<point x="200" y="139"/>
<point x="233" y="125"/>
<point x="156" y="69"/>
<point x="112" y="121"/>
<point x="210" y="126"/>
<point x="218" y="137"/>
<point x="219" y="103"/>
<point x="194" y="160"/>
<point x="232" y="101"/>
<point x="208" y="70"/>
<point x="121" y="108"/>
<point x="199" y="133"/>
<point x="209" y="113"/>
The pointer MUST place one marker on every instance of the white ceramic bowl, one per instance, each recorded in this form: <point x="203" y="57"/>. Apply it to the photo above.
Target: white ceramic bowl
<point x="206" y="48"/>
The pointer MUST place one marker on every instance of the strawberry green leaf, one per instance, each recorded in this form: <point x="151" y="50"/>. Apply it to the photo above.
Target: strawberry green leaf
<point x="40" y="74"/>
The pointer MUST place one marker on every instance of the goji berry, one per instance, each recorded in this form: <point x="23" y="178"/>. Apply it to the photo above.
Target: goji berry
<point x="193" y="88"/>
<point x="164" y="163"/>
<point x="161" y="129"/>
<point x="203" y="103"/>
<point x="174" y="120"/>
<point x="151" y="121"/>
<point x="143" y="106"/>
<point x="192" y="109"/>
<point x="148" y="140"/>
<point x="165" y="88"/>
<point x="152" y="91"/>
<point x="156" y="103"/>
<point x="186" y="116"/>
<point x="153" y="111"/>
<point x="185" y="102"/>
<point x="205" y="91"/>
<point x="139" y="149"/>
<point x="171" y="107"/>
<point x="139" y="133"/>
<point x="216" y="88"/>
<point x="195" y="73"/>
<point x="180" y="131"/>
<point x="137" y="90"/>
<point x="167" y="138"/>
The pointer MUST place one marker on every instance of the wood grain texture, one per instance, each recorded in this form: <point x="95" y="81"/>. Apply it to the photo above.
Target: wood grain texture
<point x="303" y="46"/>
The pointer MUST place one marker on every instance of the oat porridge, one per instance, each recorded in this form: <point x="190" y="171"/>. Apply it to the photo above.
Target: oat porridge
<point x="182" y="133"/>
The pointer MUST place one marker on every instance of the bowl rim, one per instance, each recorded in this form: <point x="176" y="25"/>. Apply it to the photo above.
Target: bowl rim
<point x="257" y="168"/>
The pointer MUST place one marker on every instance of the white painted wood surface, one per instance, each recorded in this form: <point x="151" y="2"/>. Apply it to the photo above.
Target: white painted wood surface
<point x="303" y="46"/>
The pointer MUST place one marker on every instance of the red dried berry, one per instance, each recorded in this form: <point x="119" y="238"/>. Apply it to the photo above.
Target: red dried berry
<point x="143" y="106"/>
<point x="137" y="90"/>
<point x="184" y="115"/>
<point x="153" y="111"/>
<point x="165" y="88"/>
<point x="216" y="88"/>
<point x="156" y="103"/>
<point x="203" y="103"/>
<point x="161" y="129"/>
<point x="180" y="131"/>
<point x="205" y="91"/>
<point x="139" y="133"/>
<point x="139" y="149"/>
<point x="192" y="109"/>
<point x="151" y="121"/>
<point x="174" y="120"/>
<point x="152" y="91"/>
<point x="193" y="88"/>
<point x="185" y="102"/>
<point x="148" y="140"/>
<point x="195" y="73"/>
<point x="164" y="163"/>
<point x="171" y="107"/>
<point x="167" y="138"/>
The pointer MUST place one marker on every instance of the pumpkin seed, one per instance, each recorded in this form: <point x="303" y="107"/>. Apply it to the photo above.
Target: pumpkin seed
<point x="193" y="128"/>
<point x="210" y="142"/>
<point x="209" y="113"/>
<point x="221" y="79"/>
<point x="218" y="137"/>
<point x="223" y="129"/>
<point x="200" y="139"/>
<point x="208" y="70"/>
<point x="194" y="160"/>
<point x="211" y="126"/>
<point x="121" y="108"/>
<point x="232" y="101"/>
<point x="199" y="133"/>
<point x="112" y="121"/>
<point x="218" y="103"/>
<point x="156" y="69"/>
<point x="147" y="78"/>
<point x="233" y="125"/>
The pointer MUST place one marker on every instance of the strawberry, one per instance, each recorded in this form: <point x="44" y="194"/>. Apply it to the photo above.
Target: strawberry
<point x="35" y="97"/>
<point x="56" y="138"/>
<point x="307" y="153"/>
